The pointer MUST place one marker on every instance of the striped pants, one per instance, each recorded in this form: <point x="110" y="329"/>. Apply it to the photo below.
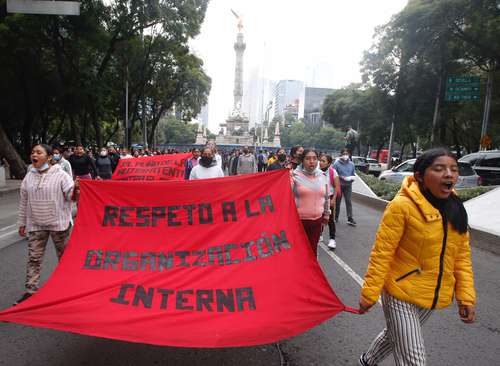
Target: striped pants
<point x="403" y="335"/>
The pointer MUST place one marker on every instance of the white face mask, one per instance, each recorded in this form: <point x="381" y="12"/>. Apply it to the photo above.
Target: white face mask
<point x="104" y="153"/>
<point x="345" y="157"/>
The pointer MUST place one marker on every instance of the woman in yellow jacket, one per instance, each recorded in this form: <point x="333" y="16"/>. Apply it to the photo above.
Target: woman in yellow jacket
<point x="420" y="259"/>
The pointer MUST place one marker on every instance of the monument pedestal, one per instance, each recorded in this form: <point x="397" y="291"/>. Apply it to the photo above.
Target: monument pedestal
<point x="236" y="132"/>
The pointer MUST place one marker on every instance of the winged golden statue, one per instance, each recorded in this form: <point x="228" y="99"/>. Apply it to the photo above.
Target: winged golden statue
<point x="240" y="20"/>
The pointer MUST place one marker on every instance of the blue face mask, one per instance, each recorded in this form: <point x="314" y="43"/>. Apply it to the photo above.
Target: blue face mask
<point x="56" y="157"/>
<point x="44" y="167"/>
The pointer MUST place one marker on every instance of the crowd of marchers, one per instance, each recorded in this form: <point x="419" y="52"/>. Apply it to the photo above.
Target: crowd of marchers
<point x="420" y="260"/>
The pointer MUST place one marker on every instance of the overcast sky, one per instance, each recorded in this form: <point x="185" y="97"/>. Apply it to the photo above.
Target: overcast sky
<point x="285" y="40"/>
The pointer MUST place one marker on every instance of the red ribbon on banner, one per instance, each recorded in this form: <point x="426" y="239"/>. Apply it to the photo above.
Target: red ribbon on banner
<point x="151" y="168"/>
<point x="209" y="263"/>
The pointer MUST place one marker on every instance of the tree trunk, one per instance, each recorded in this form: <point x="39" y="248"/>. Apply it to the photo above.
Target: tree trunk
<point x="57" y="131"/>
<point x="436" y="109"/>
<point x="97" y="129"/>
<point x="75" y="130"/>
<point x="17" y="165"/>
<point x="456" y="140"/>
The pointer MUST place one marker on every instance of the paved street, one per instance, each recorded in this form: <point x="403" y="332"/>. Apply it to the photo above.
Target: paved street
<point x="338" y="341"/>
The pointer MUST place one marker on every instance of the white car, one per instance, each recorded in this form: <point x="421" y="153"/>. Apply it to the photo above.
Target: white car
<point x="374" y="167"/>
<point x="467" y="176"/>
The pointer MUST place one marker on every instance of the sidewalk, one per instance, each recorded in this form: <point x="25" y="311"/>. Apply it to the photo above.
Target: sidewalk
<point x="483" y="212"/>
<point x="12" y="186"/>
<point x="359" y="186"/>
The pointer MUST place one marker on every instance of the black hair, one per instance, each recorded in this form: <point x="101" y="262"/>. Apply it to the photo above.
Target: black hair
<point x="307" y="151"/>
<point x="46" y="147"/>
<point x="207" y="148"/>
<point x="427" y="158"/>
<point x="328" y="158"/>
<point x="451" y="208"/>
<point x="294" y="149"/>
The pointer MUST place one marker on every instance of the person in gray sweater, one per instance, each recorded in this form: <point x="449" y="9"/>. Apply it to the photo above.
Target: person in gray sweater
<point x="246" y="162"/>
<point x="346" y="171"/>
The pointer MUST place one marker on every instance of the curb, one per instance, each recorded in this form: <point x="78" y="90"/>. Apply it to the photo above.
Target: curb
<point x="482" y="239"/>
<point x="6" y="191"/>
<point x="373" y="202"/>
<point x="478" y="238"/>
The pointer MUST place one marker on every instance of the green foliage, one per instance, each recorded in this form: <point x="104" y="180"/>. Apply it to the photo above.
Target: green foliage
<point x="408" y="64"/>
<point x="319" y="137"/>
<point x="388" y="190"/>
<point x="368" y="110"/>
<point x="383" y="189"/>
<point x="469" y="193"/>
<point x="177" y="132"/>
<point x="63" y="78"/>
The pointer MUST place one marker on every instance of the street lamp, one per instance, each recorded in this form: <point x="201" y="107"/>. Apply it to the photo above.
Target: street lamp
<point x="266" y="121"/>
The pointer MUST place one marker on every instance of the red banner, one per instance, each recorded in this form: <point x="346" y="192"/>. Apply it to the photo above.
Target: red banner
<point x="209" y="263"/>
<point x="151" y="168"/>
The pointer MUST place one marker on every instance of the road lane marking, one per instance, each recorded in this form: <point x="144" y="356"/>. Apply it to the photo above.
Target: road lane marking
<point x="7" y="234"/>
<point x="344" y="266"/>
<point x="8" y="227"/>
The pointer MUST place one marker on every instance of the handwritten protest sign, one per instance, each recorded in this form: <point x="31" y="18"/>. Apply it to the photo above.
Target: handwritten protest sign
<point x="151" y="168"/>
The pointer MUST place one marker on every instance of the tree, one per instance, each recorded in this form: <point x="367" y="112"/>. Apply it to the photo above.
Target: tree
<point x="368" y="110"/>
<point x="179" y="132"/>
<point x="417" y="49"/>
<point x="63" y="77"/>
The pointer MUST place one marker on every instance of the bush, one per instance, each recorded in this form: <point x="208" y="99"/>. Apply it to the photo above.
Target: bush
<point x="469" y="193"/>
<point x="383" y="189"/>
<point x="387" y="190"/>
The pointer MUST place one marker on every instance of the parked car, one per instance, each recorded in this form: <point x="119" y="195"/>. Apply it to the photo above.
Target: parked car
<point x="399" y="172"/>
<point x="486" y="164"/>
<point x="467" y="177"/>
<point x="374" y="167"/>
<point x="360" y="164"/>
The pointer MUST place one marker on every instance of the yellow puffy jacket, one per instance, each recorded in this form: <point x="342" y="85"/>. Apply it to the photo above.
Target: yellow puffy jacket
<point x="413" y="259"/>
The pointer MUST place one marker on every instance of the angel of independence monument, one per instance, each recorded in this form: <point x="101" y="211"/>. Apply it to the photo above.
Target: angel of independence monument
<point x="235" y="131"/>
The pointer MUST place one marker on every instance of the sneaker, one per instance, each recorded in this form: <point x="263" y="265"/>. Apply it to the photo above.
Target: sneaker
<point x="351" y="222"/>
<point x="26" y="296"/>
<point x="362" y="361"/>
<point x="332" y="244"/>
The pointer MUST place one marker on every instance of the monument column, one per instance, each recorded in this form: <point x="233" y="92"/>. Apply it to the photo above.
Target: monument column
<point x="239" y="47"/>
<point x="236" y="126"/>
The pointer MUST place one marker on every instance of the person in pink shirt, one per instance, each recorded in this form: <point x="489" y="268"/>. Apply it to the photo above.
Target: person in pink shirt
<point x="325" y="164"/>
<point x="192" y="162"/>
<point x="311" y="189"/>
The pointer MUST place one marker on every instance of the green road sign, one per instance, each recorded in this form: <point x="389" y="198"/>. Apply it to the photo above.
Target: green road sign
<point x="463" y="80"/>
<point x="463" y="88"/>
<point x="461" y="97"/>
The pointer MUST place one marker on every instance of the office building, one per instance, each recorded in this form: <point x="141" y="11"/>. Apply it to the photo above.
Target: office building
<point x="287" y="92"/>
<point x="313" y="103"/>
